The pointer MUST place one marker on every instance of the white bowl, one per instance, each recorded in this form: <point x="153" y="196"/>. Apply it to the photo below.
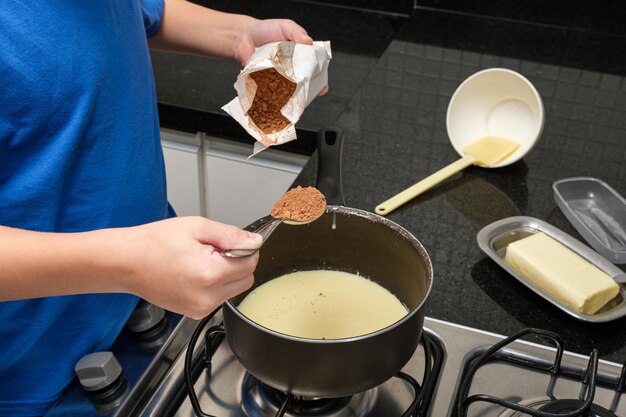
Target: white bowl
<point x="496" y="102"/>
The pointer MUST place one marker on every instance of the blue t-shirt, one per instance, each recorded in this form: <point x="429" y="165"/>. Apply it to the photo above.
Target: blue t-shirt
<point x="79" y="150"/>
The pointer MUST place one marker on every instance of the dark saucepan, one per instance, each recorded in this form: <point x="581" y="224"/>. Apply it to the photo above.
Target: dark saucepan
<point x="349" y="240"/>
<point x="344" y="239"/>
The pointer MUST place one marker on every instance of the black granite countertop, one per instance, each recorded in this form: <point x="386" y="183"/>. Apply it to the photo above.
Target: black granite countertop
<point x="391" y="80"/>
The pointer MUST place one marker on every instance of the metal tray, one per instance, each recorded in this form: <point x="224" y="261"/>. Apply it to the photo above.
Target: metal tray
<point x="494" y="238"/>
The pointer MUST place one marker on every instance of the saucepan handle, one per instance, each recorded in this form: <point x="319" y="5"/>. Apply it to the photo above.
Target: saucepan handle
<point x="329" y="170"/>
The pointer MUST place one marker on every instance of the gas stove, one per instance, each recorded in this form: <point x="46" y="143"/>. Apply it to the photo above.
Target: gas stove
<point x="454" y="368"/>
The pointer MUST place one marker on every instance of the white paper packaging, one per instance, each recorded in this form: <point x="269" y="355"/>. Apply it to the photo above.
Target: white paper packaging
<point x="305" y="65"/>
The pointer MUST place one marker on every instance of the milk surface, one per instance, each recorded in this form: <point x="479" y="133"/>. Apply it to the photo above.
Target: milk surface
<point x="322" y="304"/>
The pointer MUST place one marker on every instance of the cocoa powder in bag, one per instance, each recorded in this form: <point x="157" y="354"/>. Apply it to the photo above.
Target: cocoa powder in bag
<point x="272" y="94"/>
<point x="297" y="74"/>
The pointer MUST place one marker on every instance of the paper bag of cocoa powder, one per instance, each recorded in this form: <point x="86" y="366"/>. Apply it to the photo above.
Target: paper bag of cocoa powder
<point x="279" y="81"/>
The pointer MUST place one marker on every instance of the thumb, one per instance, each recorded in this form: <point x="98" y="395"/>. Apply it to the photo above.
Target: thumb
<point x="295" y="32"/>
<point x="276" y="30"/>
<point x="224" y="236"/>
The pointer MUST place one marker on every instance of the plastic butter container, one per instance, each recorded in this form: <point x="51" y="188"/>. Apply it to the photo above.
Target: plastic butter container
<point x="597" y="212"/>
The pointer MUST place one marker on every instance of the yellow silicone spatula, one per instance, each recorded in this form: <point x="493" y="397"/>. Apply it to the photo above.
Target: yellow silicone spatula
<point x="486" y="151"/>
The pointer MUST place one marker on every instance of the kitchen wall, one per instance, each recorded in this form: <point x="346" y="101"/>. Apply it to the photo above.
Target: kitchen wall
<point x="599" y="16"/>
<point x="606" y="16"/>
<point x="394" y="6"/>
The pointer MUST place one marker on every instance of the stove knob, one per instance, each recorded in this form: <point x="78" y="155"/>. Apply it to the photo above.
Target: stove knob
<point x="149" y="326"/>
<point x="100" y="374"/>
<point x="145" y="317"/>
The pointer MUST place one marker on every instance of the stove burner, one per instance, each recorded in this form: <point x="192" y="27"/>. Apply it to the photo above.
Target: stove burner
<point x="306" y="406"/>
<point x="559" y="407"/>
<point x="264" y="400"/>
<point x="567" y="406"/>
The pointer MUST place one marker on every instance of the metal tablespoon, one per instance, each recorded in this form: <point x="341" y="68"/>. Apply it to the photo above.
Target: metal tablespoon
<point x="298" y="206"/>
<point x="264" y="230"/>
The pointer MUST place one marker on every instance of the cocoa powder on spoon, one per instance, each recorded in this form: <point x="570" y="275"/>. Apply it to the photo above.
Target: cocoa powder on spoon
<point x="297" y="206"/>
<point x="300" y="204"/>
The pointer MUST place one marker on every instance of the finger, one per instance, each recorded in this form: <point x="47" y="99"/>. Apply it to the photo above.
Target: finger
<point x="219" y="296"/>
<point x="324" y="91"/>
<point x="236" y="287"/>
<point x="226" y="269"/>
<point x="276" y="30"/>
<point x="224" y="236"/>
<point x="198" y="313"/>
<point x="295" y="32"/>
<point x="227" y="278"/>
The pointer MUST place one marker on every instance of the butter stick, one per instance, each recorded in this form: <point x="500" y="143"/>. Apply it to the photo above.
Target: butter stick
<point x="562" y="273"/>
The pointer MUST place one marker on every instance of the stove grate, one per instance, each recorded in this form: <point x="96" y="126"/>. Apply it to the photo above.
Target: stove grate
<point x="423" y="393"/>
<point x="559" y="407"/>
<point x="577" y="408"/>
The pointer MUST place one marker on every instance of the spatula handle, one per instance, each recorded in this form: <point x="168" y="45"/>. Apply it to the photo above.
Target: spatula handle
<point x="423" y="185"/>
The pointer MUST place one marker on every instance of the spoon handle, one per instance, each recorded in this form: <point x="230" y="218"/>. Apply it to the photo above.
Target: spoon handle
<point x="264" y="230"/>
<point x="418" y="188"/>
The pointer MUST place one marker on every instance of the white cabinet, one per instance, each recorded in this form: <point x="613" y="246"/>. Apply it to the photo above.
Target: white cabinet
<point x="214" y="177"/>
<point x="240" y="190"/>
<point x="183" y="164"/>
